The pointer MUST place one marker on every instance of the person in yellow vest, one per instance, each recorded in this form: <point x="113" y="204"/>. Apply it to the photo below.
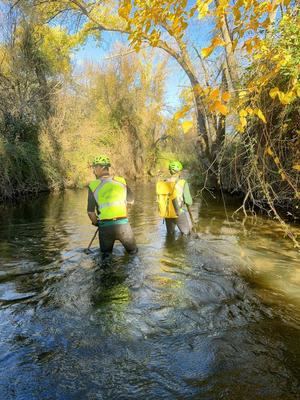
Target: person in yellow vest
<point x="174" y="198"/>
<point x="108" y="197"/>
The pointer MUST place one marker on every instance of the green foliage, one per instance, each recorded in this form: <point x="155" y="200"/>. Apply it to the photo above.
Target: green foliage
<point x="288" y="44"/>
<point x="21" y="171"/>
<point x="55" y="46"/>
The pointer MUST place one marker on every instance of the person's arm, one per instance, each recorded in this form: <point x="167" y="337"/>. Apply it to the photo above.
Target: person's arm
<point x="92" y="205"/>
<point x="130" y="197"/>
<point x="187" y="195"/>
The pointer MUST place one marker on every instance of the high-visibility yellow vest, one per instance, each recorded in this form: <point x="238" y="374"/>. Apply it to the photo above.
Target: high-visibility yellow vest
<point x="168" y="191"/>
<point x="111" y="197"/>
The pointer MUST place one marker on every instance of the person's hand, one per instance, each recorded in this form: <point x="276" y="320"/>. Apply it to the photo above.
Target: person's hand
<point x="95" y="223"/>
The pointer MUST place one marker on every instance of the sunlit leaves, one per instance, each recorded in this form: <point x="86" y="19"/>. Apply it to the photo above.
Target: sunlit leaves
<point x="274" y="92"/>
<point x="202" y="6"/>
<point x="181" y="113"/>
<point x="251" y="21"/>
<point x="214" y="94"/>
<point x="125" y="9"/>
<point x="186" y="126"/>
<point x="247" y="112"/>
<point x="206" y="52"/>
<point x="260" y="115"/>
<point x="284" y="98"/>
<point x="147" y="19"/>
<point x="269" y="151"/>
<point x="56" y="45"/>
<point x="217" y="41"/>
<point x="243" y="113"/>
<point x="226" y="96"/>
<point x="164" y="23"/>
<point x="242" y="122"/>
<point x="219" y="107"/>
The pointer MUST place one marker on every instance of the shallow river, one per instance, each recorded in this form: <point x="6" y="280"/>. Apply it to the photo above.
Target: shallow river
<point x="210" y="317"/>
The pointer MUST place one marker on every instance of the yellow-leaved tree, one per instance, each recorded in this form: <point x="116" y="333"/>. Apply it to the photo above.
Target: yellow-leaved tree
<point x="225" y="99"/>
<point x="164" y="24"/>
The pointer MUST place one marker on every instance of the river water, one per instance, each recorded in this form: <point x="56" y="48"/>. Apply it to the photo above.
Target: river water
<point x="215" y="316"/>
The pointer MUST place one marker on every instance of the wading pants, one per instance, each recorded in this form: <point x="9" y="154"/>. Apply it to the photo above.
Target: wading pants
<point x="183" y="222"/>
<point x="122" y="232"/>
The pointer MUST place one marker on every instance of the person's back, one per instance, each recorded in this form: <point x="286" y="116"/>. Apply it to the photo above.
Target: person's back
<point x="174" y="197"/>
<point x="108" y="197"/>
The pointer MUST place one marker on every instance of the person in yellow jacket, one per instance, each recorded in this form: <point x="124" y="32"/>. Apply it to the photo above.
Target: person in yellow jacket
<point x="108" y="197"/>
<point x="174" y="198"/>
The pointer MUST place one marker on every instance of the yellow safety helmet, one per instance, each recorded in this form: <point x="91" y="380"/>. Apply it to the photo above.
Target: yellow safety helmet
<point x="175" y="166"/>
<point x="104" y="161"/>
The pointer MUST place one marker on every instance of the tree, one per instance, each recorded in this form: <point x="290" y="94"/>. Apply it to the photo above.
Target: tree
<point x="34" y="58"/>
<point x="164" y="25"/>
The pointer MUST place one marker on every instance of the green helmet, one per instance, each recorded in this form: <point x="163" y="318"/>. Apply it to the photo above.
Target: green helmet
<point x="104" y="161"/>
<point x="175" y="166"/>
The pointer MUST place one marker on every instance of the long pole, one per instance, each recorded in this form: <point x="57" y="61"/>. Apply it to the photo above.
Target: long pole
<point x="192" y="219"/>
<point x="93" y="238"/>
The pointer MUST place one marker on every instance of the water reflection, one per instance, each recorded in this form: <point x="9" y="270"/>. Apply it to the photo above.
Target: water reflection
<point x="211" y="316"/>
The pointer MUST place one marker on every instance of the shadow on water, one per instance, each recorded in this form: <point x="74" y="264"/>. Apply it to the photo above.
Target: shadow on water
<point x="185" y="318"/>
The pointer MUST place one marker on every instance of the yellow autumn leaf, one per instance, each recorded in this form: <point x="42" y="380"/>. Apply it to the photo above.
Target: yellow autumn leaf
<point x="214" y="94"/>
<point x="276" y="160"/>
<point x="243" y="113"/>
<point x="187" y="125"/>
<point x="274" y="92"/>
<point x="296" y="167"/>
<point x="125" y="10"/>
<point x="219" y="107"/>
<point x="237" y="14"/>
<point x="214" y="43"/>
<point x="192" y="11"/>
<point x="184" y="25"/>
<point x="226" y="96"/>
<point x="202" y="9"/>
<point x="240" y="128"/>
<point x="243" y="122"/>
<point x="217" y="41"/>
<point x="260" y="115"/>
<point x="286" y="98"/>
<point x="248" y="45"/>
<point x="243" y="94"/>
<point x="269" y="151"/>
<point x="181" y="113"/>
<point x="207" y="51"/>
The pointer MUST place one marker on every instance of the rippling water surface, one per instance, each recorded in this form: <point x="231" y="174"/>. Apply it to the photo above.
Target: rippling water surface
<point x="209" y="317"/>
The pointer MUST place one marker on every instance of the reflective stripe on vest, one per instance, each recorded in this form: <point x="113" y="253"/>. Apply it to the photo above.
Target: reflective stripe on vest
<point x="112" y="203"/>
<point x="110" y="195"/>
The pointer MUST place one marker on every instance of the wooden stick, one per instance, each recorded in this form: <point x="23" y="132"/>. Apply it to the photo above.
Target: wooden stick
<point x="93" y="238"/>
<point x="192" y="218"/>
